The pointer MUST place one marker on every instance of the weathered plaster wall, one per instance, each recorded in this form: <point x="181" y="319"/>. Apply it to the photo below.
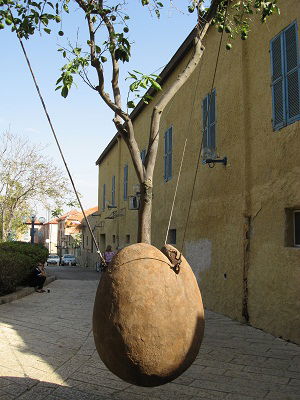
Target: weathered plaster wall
<point x="272" y="186"/>
<point x="236" y="227"/>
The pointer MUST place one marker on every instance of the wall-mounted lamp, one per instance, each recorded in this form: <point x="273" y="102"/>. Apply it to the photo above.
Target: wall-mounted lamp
<point x="212" y="161"/>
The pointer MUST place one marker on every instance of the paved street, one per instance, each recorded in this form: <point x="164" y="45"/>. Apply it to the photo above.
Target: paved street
<point x="73" y="273"/>
<point x="47" y="352"/>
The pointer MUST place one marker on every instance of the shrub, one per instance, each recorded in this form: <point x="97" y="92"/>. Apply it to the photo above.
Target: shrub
<point x="15" y="268"/>
<point x="17" y="261"/>
<point x="35" y="251"/>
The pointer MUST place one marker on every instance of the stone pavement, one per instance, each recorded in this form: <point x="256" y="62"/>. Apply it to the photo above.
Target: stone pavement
<point x="47" y="352"/>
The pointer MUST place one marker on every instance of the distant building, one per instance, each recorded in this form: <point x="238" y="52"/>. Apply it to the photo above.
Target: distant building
<point x="242" y="237"/>
<point x="50" y="235"/>
<point x="39" y="236"/>
<point x="69" y="233"/>
<point x="88" y="252"/>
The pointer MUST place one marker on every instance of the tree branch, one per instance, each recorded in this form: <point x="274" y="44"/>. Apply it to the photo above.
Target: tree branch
<point x="168" y="95"/>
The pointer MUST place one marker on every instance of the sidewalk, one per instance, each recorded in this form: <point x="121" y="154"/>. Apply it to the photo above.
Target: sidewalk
<point x="47" y="352"/>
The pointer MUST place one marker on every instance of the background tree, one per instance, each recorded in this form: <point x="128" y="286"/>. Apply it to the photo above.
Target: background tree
<point x="26" y="176"/>
<point x="108" y="26"/>
<point x="60" y="206"/>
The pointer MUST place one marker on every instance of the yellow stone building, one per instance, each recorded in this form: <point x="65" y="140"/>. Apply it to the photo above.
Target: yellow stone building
<point x="243" y="233"/>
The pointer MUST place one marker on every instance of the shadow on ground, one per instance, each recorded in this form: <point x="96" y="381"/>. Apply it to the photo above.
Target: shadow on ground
<point x="48" y="352"/>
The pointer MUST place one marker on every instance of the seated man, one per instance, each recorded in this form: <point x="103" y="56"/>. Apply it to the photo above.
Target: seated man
<point x="39" y="278"/>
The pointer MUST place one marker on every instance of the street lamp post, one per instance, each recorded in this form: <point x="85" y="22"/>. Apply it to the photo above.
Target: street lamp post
<point x="33" y="216"/>
<point x="41" y="220"/>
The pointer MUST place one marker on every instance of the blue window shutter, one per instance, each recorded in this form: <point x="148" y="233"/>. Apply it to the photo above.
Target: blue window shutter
<point x="205" y="123"/>
<point x="209" y="125"/>
<point x="125" y="182"/>
<point x="170" y="150"/>
<point x="103" y="196"/>
<point x="165" y="156"/>
<point x="212" y="124"/>
<point x="113" y="190"/>
<point x="292" y="73"/>
<point x="168" y="144"/>
<point x="278" y="94"/>
<point x="143" y="155"/>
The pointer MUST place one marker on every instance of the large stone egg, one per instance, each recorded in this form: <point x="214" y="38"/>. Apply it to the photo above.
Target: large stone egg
<point x="148" y="320"/>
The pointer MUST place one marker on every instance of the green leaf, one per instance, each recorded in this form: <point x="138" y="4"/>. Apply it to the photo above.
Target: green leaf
<point x="155" y="85"/>
<point x="64" y="91"/>
<point x="77" y="51"/>
<point x="133" y="86"/>
<point x="130" y="104"/>
<point x="47" y="30"/>
<point x="132" y="75"/>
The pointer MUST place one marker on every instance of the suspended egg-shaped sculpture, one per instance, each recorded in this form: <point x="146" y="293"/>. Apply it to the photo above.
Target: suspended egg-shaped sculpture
<point x="148" y="319"/>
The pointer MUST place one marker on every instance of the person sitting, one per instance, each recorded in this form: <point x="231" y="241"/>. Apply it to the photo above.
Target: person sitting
<point x="39" y="278"/>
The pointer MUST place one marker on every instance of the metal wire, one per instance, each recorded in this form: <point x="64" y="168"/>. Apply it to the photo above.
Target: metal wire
<point x="60" y="149"/>
<point x="178" y="178"/>
<point x="201" y="145"/>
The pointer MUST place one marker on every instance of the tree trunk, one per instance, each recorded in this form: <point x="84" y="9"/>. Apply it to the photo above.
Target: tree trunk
<point x="2" y="226"/>
<point x="145" y="211"/>
<point x="7" y="228"/>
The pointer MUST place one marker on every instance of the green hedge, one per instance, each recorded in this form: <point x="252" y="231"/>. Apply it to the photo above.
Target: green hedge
<point x="17" y="261"/>
<point x="37" y="252"/>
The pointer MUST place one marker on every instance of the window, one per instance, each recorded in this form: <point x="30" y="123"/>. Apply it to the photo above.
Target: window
<point x="285" y="77"/>
<point x="114" y="238"/>
<point x="143" y="155"/>
<point x="172" y="236"/>
<point x="103" y="197"/>
<point x="297" y="228"/>
<point x="102" y="241"/>
<point x="127" y="239"/>
<point x="125" y="182"/>
<point x="168" y="154"/>
<point x="292" y="230"/>
<point x="209" y="125"/>
<point x="113" y="191"/>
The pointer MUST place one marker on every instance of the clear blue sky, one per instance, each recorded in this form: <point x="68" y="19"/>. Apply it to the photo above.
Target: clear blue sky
<point x="83" y="123"/>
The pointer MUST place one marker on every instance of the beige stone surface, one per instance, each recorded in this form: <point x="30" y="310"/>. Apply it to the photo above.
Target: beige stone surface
<point x="235" y="361"/>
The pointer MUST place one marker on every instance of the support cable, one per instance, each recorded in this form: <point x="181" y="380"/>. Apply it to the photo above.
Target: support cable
<point x="178" y="178"/>
<point x="201" y="145"/>
<point x="59" y="147"/>
<point x="182" y="158"/>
